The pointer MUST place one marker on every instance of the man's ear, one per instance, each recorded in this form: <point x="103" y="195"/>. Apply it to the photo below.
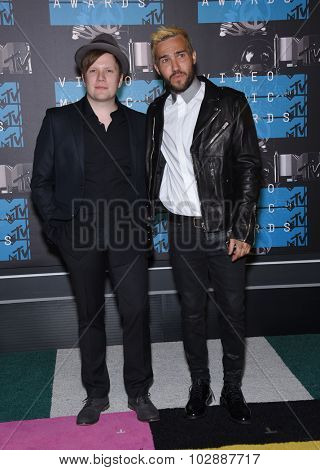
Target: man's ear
<point x="83" y="79"/>
<point x="156" y="69"/>
<point x="194" y="57"/>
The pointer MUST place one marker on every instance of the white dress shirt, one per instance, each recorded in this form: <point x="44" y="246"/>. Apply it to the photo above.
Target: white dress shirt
<point x="178" y="191"/>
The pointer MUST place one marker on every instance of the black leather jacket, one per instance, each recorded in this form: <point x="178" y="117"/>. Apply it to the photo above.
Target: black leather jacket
<point x="226" y="161"/>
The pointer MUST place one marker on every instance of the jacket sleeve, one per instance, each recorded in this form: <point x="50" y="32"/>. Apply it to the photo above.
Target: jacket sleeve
<point x="246" y="172"/>
<point x="42" y="183"/>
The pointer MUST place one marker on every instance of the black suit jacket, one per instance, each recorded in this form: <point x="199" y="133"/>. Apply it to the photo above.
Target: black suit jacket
<point x="58" y="170"/>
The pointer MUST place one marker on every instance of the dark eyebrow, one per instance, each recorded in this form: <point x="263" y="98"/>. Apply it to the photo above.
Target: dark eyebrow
<point x="163" y="56"/>
<point x="176" y="52"/>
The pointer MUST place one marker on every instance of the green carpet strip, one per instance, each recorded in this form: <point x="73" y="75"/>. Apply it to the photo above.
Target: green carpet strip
<point x="26" y="384"/>
<point x="301" y="354"/>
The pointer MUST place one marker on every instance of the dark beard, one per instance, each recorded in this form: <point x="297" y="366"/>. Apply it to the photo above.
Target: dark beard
<point x="190" y="78"/>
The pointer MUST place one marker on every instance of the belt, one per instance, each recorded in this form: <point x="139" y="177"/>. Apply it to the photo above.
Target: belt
<point x="197" y="222"/>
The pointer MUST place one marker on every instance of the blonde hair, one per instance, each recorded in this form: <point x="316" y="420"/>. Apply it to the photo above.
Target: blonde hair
<point x="164" y="33"/>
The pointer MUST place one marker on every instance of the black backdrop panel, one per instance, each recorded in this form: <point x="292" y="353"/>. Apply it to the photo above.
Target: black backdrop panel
<point x="267" y="48"/>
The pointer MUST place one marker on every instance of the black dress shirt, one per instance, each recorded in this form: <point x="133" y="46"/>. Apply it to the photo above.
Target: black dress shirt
<point x="108" y="194"/>
<point x="107" y="159"/>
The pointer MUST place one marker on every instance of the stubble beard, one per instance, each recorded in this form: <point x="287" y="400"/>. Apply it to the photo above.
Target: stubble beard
<point x="185" y="86"/>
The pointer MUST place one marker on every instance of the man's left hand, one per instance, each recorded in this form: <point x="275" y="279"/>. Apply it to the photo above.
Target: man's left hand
<point x="237" y="249"/>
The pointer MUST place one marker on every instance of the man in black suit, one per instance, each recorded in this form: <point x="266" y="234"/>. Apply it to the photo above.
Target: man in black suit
<point x="88" y="185"/>
<point x="204" y="168"/>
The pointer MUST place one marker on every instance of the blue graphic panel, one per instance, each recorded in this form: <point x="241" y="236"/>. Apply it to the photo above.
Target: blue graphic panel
<point x="278" y="103"/>
<point x="14" y="230"/>
<point x="219" y="11"/>
<point x="138" y="95"/>
<point x="6" y="13"/>
<point x="282" y="218"/>
<point x="282" y="221"/>
<point x="10" y="115"/>
<point x="68" y="92"/>
<point x="160" y="233"/>
<point x="112" y="12"/>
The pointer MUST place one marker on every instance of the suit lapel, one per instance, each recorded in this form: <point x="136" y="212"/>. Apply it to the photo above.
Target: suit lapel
<point x="132" y="143"/>
<point x="157" y="128"/>
<point x="77" y="125"/>
<point x="209" y="110"/>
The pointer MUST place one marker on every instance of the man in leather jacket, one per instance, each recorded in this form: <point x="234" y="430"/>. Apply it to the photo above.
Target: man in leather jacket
<point x="204" y="168"/>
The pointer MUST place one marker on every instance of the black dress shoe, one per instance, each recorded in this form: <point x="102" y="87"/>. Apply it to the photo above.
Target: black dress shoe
<point x="90" y="413"/>
<point x="145" y="409"/>
<point x="200" y="396"/>
<point x="232" y="399"/>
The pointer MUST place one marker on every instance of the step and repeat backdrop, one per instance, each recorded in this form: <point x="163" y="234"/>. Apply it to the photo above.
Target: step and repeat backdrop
<point x="269" y="49"/>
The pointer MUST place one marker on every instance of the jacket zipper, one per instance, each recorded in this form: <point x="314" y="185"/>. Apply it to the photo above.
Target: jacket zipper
<point x="249" y="225"/>
<point x="204" y="223"/>
<point x="225" y="125"/>
<point x="160" y="143"/>
<point x="208" y="124"/>
<point x="152" y="151"/>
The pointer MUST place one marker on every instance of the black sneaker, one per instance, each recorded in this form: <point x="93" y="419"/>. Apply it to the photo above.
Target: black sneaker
<point x="234" y="402"/>
<point x="200" y="397"/>
<point x="90" y="413"/>
<point x="145" y="409"/>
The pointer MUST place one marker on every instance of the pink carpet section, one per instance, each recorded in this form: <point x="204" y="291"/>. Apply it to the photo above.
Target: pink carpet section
<point x="114" y="431"/>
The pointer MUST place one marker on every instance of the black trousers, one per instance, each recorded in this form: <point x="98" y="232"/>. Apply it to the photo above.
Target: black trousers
<point x="130" y="282"/>
<point x="197" y="265"/>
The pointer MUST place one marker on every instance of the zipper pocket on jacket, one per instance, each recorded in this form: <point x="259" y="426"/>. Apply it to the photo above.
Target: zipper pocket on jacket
<point x="222" y="129"/>
<point x="218" y="111"/>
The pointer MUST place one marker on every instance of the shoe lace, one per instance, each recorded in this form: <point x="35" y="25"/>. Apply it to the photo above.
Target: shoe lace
<point x="87" y="401"/>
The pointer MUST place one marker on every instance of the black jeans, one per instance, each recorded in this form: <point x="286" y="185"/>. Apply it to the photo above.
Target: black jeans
<point x="130" y="281"/>
<point x="197" y="265"/>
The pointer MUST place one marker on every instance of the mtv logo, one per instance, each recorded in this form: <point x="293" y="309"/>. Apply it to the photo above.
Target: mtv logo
<point x="298" y="130"/>
<point x="290" y="167"/>
<point x="154" y="16"/>
<point x="15" y="57"/>
<point x="292" y="51"/>
<point x="9" y="94"/>
<point x="13" y="253"/>
<point x="6" y="13"/>
<point x="15" y="179"/>
<point x="11" y="116"/>
<point x="11" y="137"/>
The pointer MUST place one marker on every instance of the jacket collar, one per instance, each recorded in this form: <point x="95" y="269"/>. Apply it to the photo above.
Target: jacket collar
<point x="80" y="109"/>
<point x="210" y="106"/>
<point x="189" y="93"/>
<point x="212" y="92"/>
